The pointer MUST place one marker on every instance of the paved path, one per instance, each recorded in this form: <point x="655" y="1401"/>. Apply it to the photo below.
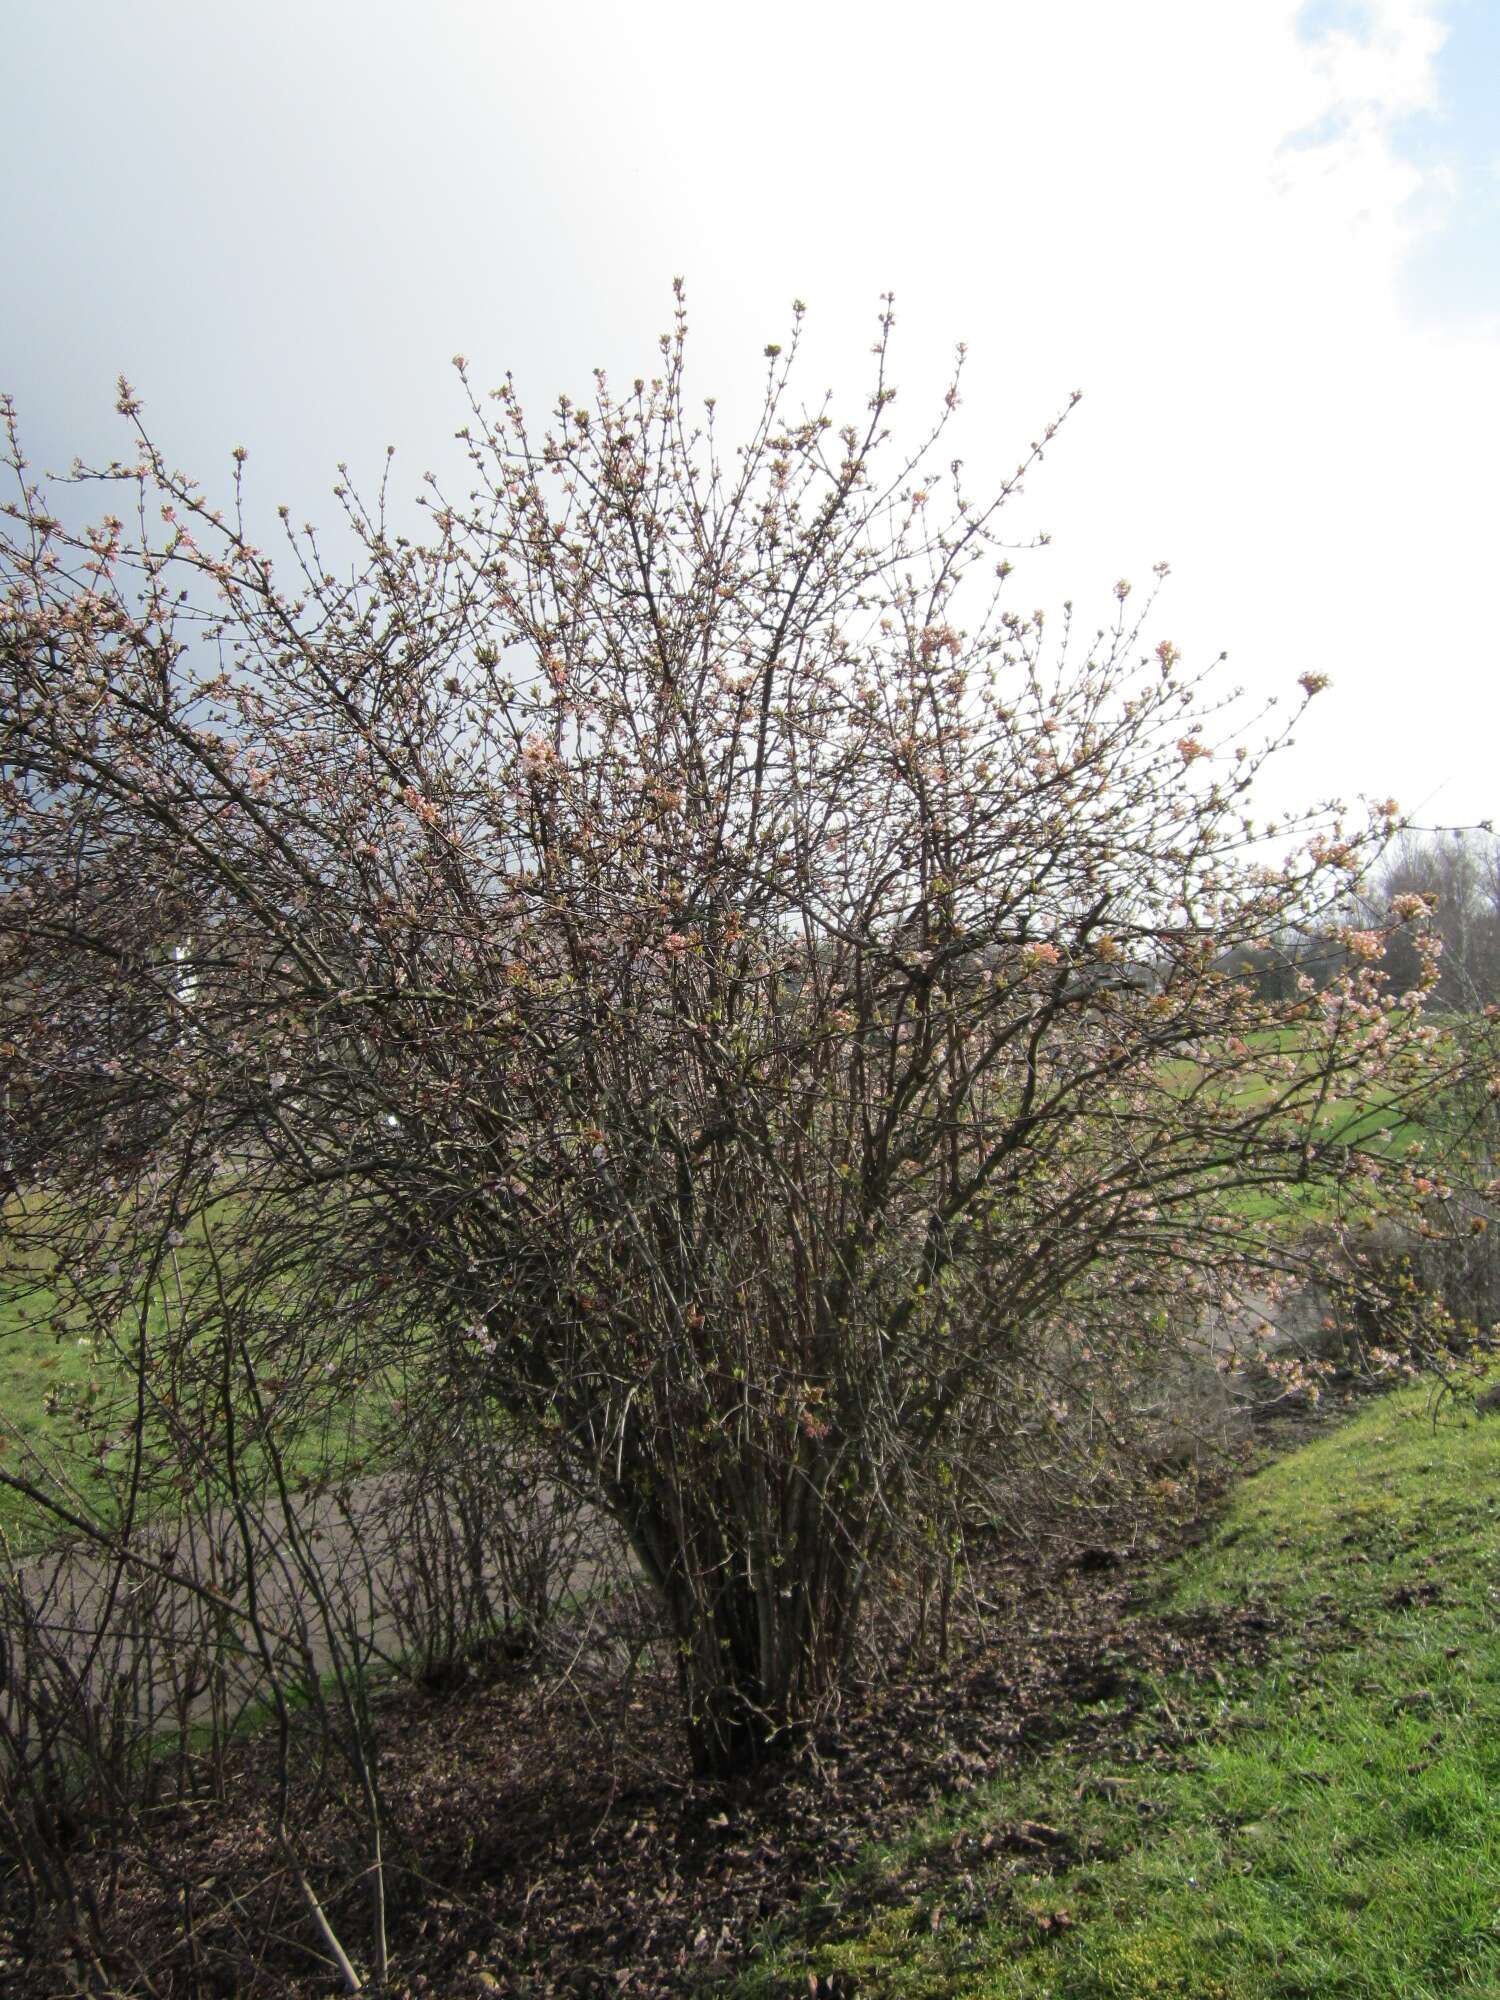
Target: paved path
<point x="196" y="1628"/>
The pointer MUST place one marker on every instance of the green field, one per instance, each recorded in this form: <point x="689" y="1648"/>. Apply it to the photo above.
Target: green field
<point x="1319" y="1826"/>
<point x="44" y="1376"/>
<point x="1384" y="1126"/>
<point x="68" y="1403"/>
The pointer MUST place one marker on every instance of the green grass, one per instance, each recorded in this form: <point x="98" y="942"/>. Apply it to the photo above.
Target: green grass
<point x="1375" y="1124"/>
<point x="1322" y="1825"/>
<point x="45" y="1372"/>
<point x="67" y="1405"/>
<point x="1372" y="1124"/>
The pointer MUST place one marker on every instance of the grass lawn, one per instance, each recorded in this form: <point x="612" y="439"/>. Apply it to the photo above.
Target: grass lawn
<point x="1377" y="1125"/>
<point x="42" y="1374"/>
<point x="1319" y="1826"/>
<point x="52" y="1378"/>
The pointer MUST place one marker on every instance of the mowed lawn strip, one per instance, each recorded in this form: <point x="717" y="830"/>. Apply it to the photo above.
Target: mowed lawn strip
<point x="1323" y="1821"/>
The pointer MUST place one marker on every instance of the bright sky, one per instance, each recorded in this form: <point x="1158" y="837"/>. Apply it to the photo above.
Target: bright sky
<point x="1263" y="238"/>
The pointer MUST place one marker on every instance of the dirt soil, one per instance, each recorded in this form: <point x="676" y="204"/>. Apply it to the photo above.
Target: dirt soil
<point x="545" y="1841"/>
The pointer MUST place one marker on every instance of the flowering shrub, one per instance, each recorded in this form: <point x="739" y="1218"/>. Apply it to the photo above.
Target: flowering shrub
<point x="675" y="945"/>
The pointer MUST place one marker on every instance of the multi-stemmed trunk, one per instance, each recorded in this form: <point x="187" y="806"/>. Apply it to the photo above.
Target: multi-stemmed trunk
<point x="762" y="1603"/>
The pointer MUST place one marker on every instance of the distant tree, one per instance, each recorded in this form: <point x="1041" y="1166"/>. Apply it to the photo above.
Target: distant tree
<point x="1277" y="968"/>
<point x="659" y="955"/>
<point x="1457" y="871"/>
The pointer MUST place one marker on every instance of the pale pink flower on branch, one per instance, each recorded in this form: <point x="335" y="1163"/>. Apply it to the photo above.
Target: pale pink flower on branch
<point x="537" y="756"/>
<point x="936" y="638"/>
<point x="1364" y="944"/>
<point x="424" y="809"/>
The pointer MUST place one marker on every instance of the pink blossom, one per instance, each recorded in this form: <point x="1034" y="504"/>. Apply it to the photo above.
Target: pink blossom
<point x="1364" y="944"/>
<point x="537" y="756"/>
<point x="937" y="638"/>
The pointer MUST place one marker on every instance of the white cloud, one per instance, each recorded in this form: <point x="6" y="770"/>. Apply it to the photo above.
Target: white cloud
<point x="1345" y="160"/>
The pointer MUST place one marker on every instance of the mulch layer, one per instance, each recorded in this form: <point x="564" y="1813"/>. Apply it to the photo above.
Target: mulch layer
<point x="544" y="1840"/>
